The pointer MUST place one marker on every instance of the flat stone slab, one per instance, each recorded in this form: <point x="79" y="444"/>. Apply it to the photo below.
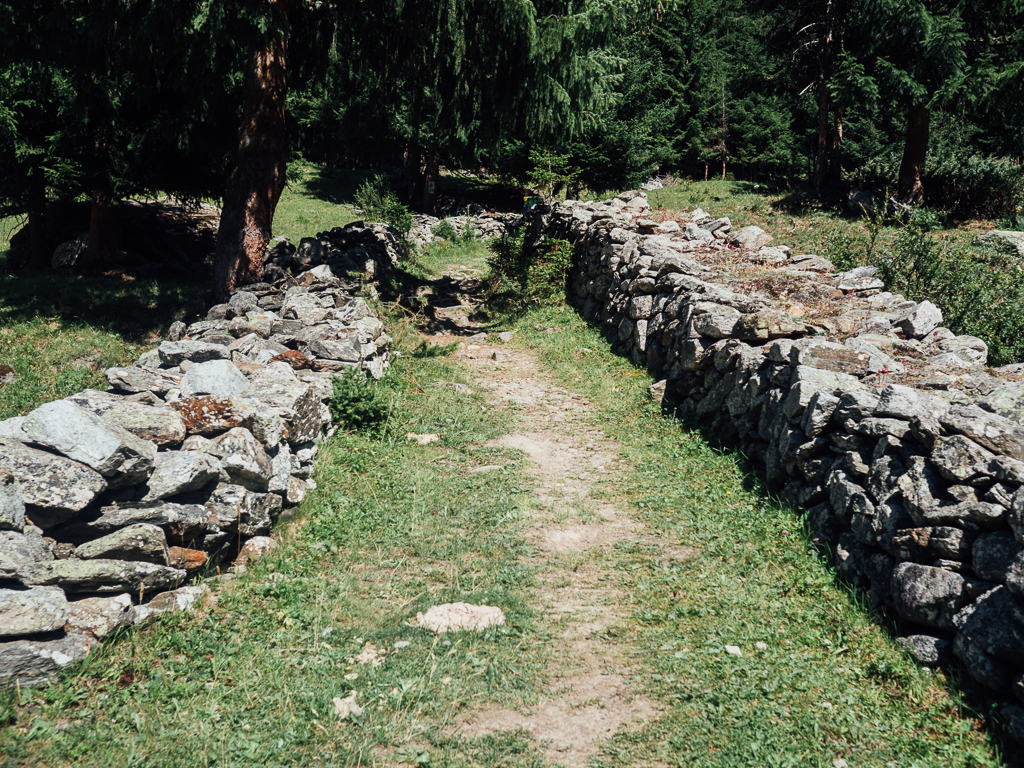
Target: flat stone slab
<point x="161" y="424"/>
<point x="32" y="611"/>
<point x="105" y="576"/>
<point x="100" y="616"/>
<point x="143" y="542"/>
<point x="58" y="486"/>
<point x="36" y="663"/>
<point x="137" y="378"/>
<point x="181" y="522"/>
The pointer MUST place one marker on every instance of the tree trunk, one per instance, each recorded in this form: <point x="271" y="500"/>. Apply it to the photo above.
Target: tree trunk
<point x="104" y="226"/>
<point x="39" y="259"/>
<point x="413" y="175"/>
<point x="821" y="155"/>
<point x="259" y="177"/>
<point x="430" y="183"/>
<point x="835" y="149"/>
<point x="831" y="45"/>
<point x="915" y="150"/>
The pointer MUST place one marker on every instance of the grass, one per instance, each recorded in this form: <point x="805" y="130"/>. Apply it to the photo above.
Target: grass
<point x="316" y="199"/>
<point x="830" y="683"/>
<point x="394" y="528"/>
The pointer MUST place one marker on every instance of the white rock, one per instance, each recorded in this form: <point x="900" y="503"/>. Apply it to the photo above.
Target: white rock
<point x="456" y="617"/>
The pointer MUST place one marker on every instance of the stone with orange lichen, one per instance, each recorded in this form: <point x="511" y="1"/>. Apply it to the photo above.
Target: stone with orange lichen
<point x="294" y="358"/>
<point x="189" y="560"/>
<point x="212" y="414"/>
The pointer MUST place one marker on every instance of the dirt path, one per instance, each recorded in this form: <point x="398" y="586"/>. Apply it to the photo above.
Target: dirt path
<point x="588" y="699"/>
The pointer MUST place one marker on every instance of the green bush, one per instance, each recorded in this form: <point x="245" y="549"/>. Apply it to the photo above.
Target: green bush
<point x="971" y="184"/>
<point x="445" y="231"/>
<point x="379" y="203"/>
<point x="519" y="279"/>
<point x="359" y="404"/>
<point x="980" y="288"/>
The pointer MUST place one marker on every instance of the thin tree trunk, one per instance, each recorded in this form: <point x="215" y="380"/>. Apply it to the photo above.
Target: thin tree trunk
<point x="915" y="150"/>
<point x="413" y="176"/>
<point x="831" y="45"/>
<point x="705" y="171"/>
<point x="38" y="257"/>
<point x="430" y="185"/>
<point x="723" y="170"/>
<point x="821" y="154"/>
<point x="104" y="226"/>
<point x="259" y="177"/>
<point x="835" y="149"/>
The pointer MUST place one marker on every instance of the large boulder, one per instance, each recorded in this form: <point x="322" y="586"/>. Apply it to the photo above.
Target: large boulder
<point x="276" y="388"/>
<point x="20" y="551"/>
<point x="174" y="353"/>
<point x="113" y="451"/>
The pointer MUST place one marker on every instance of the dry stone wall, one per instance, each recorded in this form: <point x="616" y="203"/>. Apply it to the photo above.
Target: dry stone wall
<point x="110" y="502"/>
<point x="905" y="450"/>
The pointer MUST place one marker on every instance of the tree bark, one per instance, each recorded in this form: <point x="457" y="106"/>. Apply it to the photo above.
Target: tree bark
<point x="915" y="151"/>
<point x="259" y="177"/>
<point x="104" y="226"/>
<point x="430" y="183"/>
<point x="38" y="257"/>
<point x="826" y="157"/>
<point x="835" y="149"/>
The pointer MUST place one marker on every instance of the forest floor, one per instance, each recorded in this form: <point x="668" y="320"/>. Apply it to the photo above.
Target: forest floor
<point x="661" y="609"/>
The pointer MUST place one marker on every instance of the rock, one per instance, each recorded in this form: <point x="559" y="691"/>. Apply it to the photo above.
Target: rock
<point x="35" y="663"/>
<point x="972" y="350"/>
<point x="235" y="509"/>
<point x="12" y="428"/>
<point x="898" y="402"/>
<point x="183" y="600"/>
<point x="956" y="457"/>
<point x="7" y="375"/>
<point x="762" y="326"/>
<point x="750" y="238"/>
<point x="12" y="504"/>
<point x="998" y="434"/>
<point x="214" y="377"/>
<point x="1007" y="401"/>
<point x="31" y="611"/>
<point x="173" y="353"/>
<point x="162" y="425"/>
<point x="927" y="650"/>
<point x="138" y="379"/>
<point x="298" y="404"/>
<point x="181" y="522"/>
<point x="190" y="560"/>
<point x="809" y="381"/>
<point x="294" y="358"/>
<point x="995" y="624"/>
<point x="1015" y="239"/>
<point x="179" y="472"/>
<point x="244" y="459"/>
<point x="255" y="548"/>
<point x="20" y="551"/>
<point x="920" y="321"/>
<point x="456" y="617"/>
<point x="99" y="617"/>
<point x="981" y="666"/>
<point x="831" y="357"/>
<point x="58" y="487"/>
<point x="346" y="349"/>
<point x="928" y="596"/>
<point x="718" y="324"/>
<point x="104" y="576"/>
<point x="121" y="457"/>
<point x="213" y="415"/>
<point x="993" y="554"/>
<point x="142" y="542"/>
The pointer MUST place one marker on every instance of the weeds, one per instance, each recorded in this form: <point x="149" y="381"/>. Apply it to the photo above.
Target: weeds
<point x="359" y="404"/>
<point x="518" y="280"/>
<point x="379" y="203"/>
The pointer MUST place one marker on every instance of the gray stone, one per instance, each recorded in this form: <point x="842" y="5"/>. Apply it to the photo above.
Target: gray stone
<point x="956" y="457"/>
<point x="830" y="357"/>
<point x="35" y="663"/>
<point x="160" y="424"/>
<point x="142" y="542"/>
<point x="928" y="596"/>
<point x="995" y="623"/>
<point x="105" y="576"/>
<point x="696" y="234"/>
<point x="347" y="349"/>
<point x="927" y="650"/>
<point x="809" y="381"/>
<point x="183" y="600"/>
<point x="981" y="666"/>
<point x="750" y="238"/>
<point x="1014" y="577"/>
<point x="855" y="405"/>
<point x="179" y="472"/>
<point x="1007" y="401"/>
<point x="114" y="452"/>
<point x="898" y="402"/>
<point x="12" y="428"/>
<point x="281" y="464"/>
<point x="32" y="611"/>
<point x="58" y="487"/>
<point x="20" y="551"/>
<point x="716" y="325"/>
<point x="993" y="554"/>
<point x="138" y="379"/>
<point x="920" y="321"/>
<point x="12" y="504"/>
<point x="236" y="509"/>
<point x="242" y="302"/>
<point x="998" y="434"/>
<point x="100" y="616"/>
<point x="214" y="377"/>
<point x="173" y="353"/>
<point x="181" y="522"/>
<point x="244" y="459"/>
<point x="298" y="404"/>
<point x="769" y="255"/>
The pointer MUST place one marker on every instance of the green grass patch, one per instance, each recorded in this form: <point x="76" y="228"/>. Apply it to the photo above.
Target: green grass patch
<point x="393" y="528"/>
<point x="830" y="682"/>
<point x="316" y="199"/>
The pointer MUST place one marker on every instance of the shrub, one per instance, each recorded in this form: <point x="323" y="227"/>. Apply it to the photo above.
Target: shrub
<point x="358" y="404"/>
<point x="379" y="203"/>
<point x="980" y="288"/>
<point x="445" y="231"/>
<point x="971" y="184"/>
<point x="519" y="279"/>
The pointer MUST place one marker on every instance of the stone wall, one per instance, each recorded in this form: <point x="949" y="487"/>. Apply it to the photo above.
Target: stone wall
<point x="110" y="502"/>
<point x="905" y="450"/>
